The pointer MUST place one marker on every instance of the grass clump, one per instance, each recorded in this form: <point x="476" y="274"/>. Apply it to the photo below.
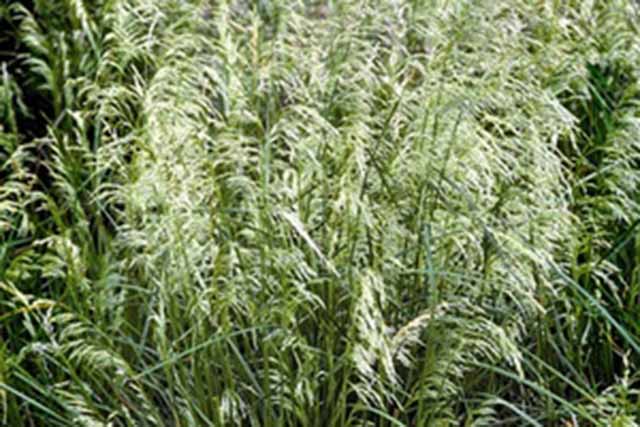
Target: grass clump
<point x="319" y="214"/>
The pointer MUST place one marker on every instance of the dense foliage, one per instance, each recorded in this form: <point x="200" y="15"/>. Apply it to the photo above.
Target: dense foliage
<point x="294" y="213"/>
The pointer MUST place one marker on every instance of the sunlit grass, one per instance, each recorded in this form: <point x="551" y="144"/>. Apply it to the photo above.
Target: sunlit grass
<point x="285" y="213"/>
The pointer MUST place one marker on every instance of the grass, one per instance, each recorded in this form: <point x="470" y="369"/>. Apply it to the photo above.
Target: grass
<point x="294" y="213"/>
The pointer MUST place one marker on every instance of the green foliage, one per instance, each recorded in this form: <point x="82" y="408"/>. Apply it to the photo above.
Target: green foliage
<point x="293" y="213"/>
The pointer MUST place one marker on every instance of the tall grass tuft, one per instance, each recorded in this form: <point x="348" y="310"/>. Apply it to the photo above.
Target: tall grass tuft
<point x="294" y="213"/>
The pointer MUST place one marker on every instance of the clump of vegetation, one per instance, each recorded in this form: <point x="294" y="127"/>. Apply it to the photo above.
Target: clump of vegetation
<point x="295" y="213"/>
